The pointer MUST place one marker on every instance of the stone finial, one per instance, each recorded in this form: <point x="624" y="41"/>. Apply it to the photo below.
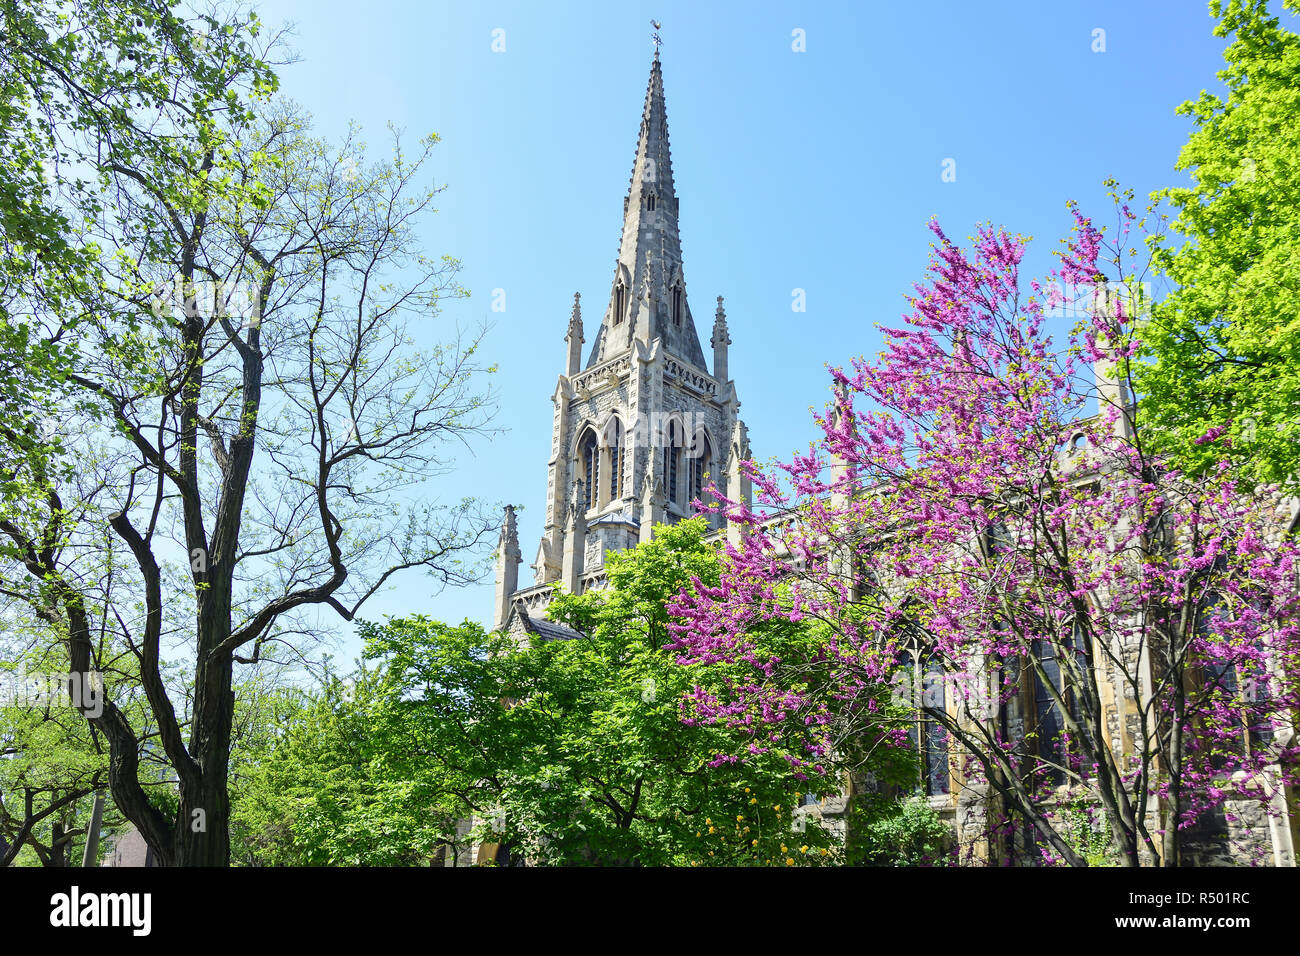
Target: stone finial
<point x="720" y="342"/>
<point x="1111" y="382"/>
<point x="740" y="440"/>
<point x="574" y="338"/>
<point x="508" y="543"/>
<point x="547" y="566"/>
<point x="652" y="489"/>
<point x="577" y="503"/>
<point x="575" y="540"/>
<point x="652" y="504"/>
<point x="720" y="336"/>
<point x="507" y="571"/>
<point x="575" y="320"/>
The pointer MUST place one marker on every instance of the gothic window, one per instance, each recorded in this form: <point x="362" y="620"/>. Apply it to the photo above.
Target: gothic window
<point x="998" y="540"/>
<point x="923" y="687"/>
<point x="1048" y="725"/>
<point x="701" y="463"/>
<point x="650" y="202"/>
<point x="677" y="305"/>
<point x="1049" y="722"/>
<point x="1237" y="685"/>
<point x="588" y="459"/>
<point x="614" y="451"/>
<point x="620" y="302"/>
<point x="1240" y="686"/>
<point x="673" y="441"/>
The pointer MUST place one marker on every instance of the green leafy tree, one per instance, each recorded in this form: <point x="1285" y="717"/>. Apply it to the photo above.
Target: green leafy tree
<point x="246" y="434"/>
<point x="336" y="779"/>
<point x="884" y="831"/>
<point x="52" y="762"/>
<point x="577" y="748"/>
<point x="1222" y="371"/>
<point x="94" y="94"/>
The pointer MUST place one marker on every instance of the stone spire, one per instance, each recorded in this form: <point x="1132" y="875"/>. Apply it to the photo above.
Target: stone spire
<point x="720" y="341"/>
<point x="507" y="570"/>
<point x="575" y="539"/>
<point x="574" y="338"/>
<point x="648" y="296"/>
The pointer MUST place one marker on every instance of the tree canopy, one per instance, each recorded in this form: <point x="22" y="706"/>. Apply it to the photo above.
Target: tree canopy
<point x="1222" y="372"/>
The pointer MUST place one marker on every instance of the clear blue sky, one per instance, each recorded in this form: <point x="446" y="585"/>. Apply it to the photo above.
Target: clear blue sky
<point x="815" y="170"/>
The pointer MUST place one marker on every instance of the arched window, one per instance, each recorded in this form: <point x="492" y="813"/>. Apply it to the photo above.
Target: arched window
<point x="1235" y="689"/>
<point x="614" y="454"/>
<point x="674" y="439"/>
<point x="923" y="688"/>
<point x="588" y="458"/>
<point x="650" y="202"/>
<point x="677" y="305"/>
<point x="620" y="302"/>
<point x="1049" y="721"/>
<point x="700" y="464"/>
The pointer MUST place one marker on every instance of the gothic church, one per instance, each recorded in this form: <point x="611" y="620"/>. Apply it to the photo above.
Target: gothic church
<point x="642" y="428"/>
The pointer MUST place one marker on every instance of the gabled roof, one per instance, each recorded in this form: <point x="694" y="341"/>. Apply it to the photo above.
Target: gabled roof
<point x="546" y="630"/>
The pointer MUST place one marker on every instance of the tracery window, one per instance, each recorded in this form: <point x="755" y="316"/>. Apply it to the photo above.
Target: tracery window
<point x="1049" y="720"/>
<point x="588" y="463"/>
<point x="1241" y="686"/>
<point x="701" y="464"/>
<point x="924" y="687"/>
<point x="673" y="439"/>
<point x="614" y="455"/>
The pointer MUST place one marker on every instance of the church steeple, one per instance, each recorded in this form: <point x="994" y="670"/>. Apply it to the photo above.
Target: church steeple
<point x="648" y="296"/>
<point x="643" y="431"/>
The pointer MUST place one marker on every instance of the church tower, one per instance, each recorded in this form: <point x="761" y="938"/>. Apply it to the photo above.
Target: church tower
<point x="644" y="426"/>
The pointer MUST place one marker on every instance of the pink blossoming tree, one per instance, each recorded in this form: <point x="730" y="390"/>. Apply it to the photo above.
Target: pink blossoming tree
<point x="1095" y="629"/>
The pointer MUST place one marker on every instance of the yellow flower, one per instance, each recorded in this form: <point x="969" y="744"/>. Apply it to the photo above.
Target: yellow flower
<point x="739" y="818"/>
<point x="711" y="830"/>
<point x="753" y="800"/>
<point x="825" y="851"/>
<point x="753" y="843"/>
<point x="804" y="848"/>
<point x="783" y="849"/>
<point x="707" y="820"/>
<point x="789" y="862"/>
<point x="697" y="832"/>
<point x="776" y="806"/>
<point x="747" y="789"/>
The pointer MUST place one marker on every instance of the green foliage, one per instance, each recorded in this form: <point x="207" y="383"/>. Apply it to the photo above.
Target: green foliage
<point x="884" y="831"/>
<point x="94" y="94"/>
<point x="1084" y="827"/>
<point x="47" y="753"/>
<point x="203" y="342"/>
<point x="574" y="751"/>
<point x="333" y="780"/>
<point x="1223" y="350"/>
<point x="564" y="752"/>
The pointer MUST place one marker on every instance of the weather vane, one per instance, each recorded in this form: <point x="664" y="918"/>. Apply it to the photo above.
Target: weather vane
<point x="655" y="37"/>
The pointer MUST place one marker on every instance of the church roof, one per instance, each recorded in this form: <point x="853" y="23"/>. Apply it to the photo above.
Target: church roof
<point x="546" y="630"/>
